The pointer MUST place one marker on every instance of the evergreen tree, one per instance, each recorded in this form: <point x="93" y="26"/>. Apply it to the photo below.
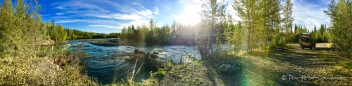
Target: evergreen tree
<point x="288" y="19"/>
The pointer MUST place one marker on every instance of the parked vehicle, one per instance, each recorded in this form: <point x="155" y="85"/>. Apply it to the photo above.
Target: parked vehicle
<point x="306" y="41"/>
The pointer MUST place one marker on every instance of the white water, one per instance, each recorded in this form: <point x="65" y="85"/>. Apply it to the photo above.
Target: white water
<point x="104" y="63"/>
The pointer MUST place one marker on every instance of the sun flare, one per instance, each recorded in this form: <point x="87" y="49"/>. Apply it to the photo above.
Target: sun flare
<point x="190" y="15"/>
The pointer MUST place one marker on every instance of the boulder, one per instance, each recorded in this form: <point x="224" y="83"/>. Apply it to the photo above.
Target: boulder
<point x="137" y="51"/>
<point x="224" y="68"/>
<point x="229" y="67"/>
<point x="152" y="55"/>
<point x="134" y="57"/>
<point x="62" y="61"/>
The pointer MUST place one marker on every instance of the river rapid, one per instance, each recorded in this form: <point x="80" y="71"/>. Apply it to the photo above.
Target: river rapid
<point x="107" y="65"/>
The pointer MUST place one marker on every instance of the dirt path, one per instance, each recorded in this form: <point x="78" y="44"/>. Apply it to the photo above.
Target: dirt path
<point x="287" y="66"/>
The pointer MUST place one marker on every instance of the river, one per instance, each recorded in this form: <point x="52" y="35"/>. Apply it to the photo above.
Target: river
<point x="105" y="63"/>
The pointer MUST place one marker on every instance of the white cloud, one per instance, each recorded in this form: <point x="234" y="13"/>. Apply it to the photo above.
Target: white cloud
<point x="107" y="26"/>
<point x="74" y="5"/>
<point x="121" y="16"/>
<point x="69" y="21"/>
<point x="59" y="13"/>
<point x="146" y="13"/>
<point x="120" y="26"/>
<point x="138" y="18"/>
<point x="156" y="11"/>
<point x="233" y="12"/>
<point x="92" y="21"/>
<point x="309" y="14"/>
<point x="136" y="3"/>
<point x="96" y="13"/>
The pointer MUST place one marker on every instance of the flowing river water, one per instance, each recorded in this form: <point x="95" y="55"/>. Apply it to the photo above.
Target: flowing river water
<point x="105" y="63"/>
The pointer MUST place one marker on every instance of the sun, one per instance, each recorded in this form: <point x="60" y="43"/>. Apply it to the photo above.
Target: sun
<point x="190" y="15"/>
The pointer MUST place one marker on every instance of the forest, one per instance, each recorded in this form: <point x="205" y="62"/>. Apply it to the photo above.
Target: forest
<point x="278" y="30"/>
<point x="266" y="25"/>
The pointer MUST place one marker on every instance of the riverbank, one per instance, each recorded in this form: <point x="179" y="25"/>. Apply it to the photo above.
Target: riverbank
<point x="40" y="71"/>
<point x="46" y="65"/>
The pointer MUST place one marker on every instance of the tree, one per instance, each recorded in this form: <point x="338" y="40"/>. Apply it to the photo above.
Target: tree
<point x="288" y="19"/>
<point x="259" y="17"/>
<point x="213" y="15"/>
<point x="152" y="33"/>
<point x="296" y="28"/>
<point x="314" y="34"/>
<point x="341" y="14"/>
<point x="20" y="28"/>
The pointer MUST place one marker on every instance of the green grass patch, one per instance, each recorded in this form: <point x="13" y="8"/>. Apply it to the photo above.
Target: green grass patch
<point x="324" y="57"/>
<point x="348" y="65"/>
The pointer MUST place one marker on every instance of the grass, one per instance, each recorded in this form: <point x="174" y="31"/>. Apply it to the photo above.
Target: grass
<point x="348" y="65"/>
<point x="39" y="70"/>
<point x="324" y="57"/>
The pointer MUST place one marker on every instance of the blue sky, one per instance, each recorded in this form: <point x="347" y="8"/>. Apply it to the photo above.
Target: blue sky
<point x="106" y="16"/>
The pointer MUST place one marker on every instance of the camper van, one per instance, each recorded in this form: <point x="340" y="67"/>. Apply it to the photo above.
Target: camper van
<point x="306" y="41"/>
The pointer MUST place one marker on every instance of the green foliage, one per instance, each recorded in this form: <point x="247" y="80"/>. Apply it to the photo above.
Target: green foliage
<point x="294" y="37"/>
<point x="341" y="16"/>
<point x="142" y="35"/>
<point x="322" y="34"/>
<point x="288" y="20"/>
<point x="262" y="17"/>
<point x="20" y="29"/>
<point x="211" y="28"/>
<point x="21" y="34"/>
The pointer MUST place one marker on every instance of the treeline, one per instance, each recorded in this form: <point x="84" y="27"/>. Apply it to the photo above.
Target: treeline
<point x="175" y="34"/>
<point x="59" y="33"/>
<point x="320" y="35"/>
<point x="77" y="34"/>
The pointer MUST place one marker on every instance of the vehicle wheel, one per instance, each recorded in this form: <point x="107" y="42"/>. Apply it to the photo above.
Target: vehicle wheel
<point x="311" y="47"/>
<point x="302" y="47"/>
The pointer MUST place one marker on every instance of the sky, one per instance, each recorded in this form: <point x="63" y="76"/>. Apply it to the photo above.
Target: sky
<point x="107" y="16"/>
